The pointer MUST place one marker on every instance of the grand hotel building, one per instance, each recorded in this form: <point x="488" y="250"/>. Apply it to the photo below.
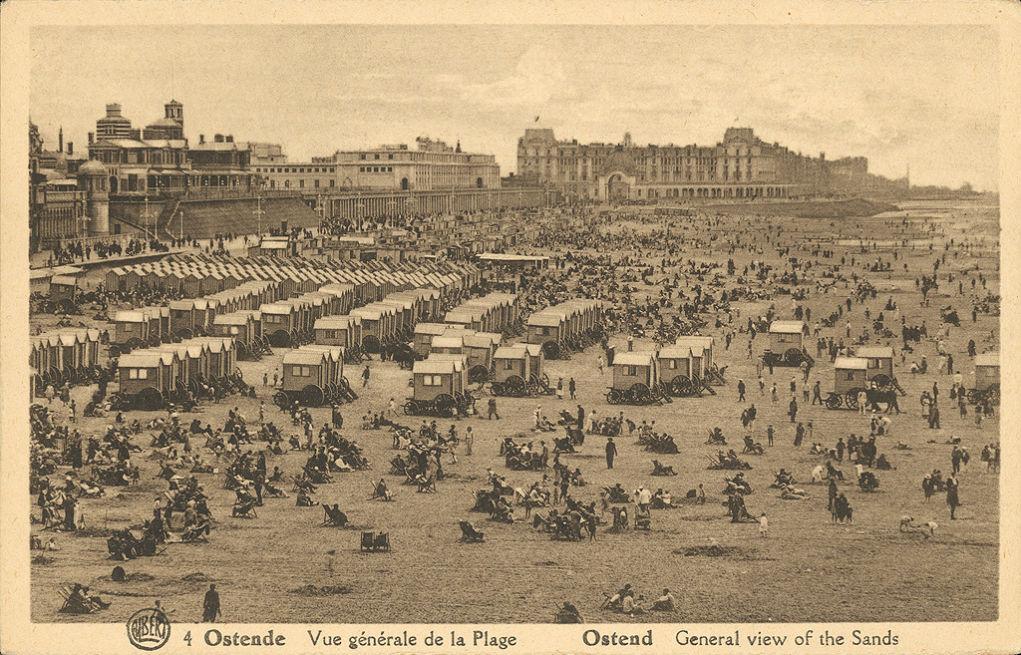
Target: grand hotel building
<point x="740" y="166"/>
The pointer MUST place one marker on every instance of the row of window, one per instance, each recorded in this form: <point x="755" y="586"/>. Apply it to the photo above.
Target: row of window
<point x="432" y="380"/>
<point x="133" y="156"/>
<point x="301" y="184"/>
<point x="730" y="192"/>
<point x="138" y="374"/>
<point x="435" y="157"/>
<point x="61" y="212"/>
<point x="375" y="169"/>
<point x="298" y="169"/>
<point x="563" y="155"/>
<point x="700" y="177"/>
<point x="708" y="161"/>
<point x="303" y="371"/>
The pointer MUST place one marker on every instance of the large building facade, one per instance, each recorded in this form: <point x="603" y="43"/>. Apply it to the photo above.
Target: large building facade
<point x="740" y="166"/>
<point x="430" y="166"/>
<point x="59" y="202"/>
<point x="157" y="159"/>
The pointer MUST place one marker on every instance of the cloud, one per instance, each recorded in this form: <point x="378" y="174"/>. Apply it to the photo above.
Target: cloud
<point x="540" y="75"/>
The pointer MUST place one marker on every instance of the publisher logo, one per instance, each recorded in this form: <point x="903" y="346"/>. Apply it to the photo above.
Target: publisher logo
<point x="149" y="629"/>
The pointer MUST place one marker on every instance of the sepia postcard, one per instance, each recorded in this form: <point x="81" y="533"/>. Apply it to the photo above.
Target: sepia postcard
<point x="509" y="328"/>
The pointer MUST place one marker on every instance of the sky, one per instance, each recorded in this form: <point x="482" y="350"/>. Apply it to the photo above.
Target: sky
<point x="918" y="96"/>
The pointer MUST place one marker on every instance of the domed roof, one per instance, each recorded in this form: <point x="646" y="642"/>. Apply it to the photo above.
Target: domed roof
<point x="92" y="167"/>
<point x="165" y="122"/>
<point x="120" y="120"/>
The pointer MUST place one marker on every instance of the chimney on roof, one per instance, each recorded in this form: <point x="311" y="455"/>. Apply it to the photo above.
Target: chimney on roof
<point x="229" y="138"/>
<point x="70" y="148"/>
<point x="60" y="139"/>
<point x="90" y="138"/>
<point x="218" y="138"/>
<point x="202" y="139"/>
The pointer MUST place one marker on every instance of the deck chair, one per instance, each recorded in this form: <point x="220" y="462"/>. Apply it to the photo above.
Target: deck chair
<point x="244" y="510"/>
<point x="643" y="519"/>
<point x="470" y="535"/>
<point x="381" y="492"/>
<point x="373" y="542"/>
<point x="77" y="603"/>
<point x="334" y="517"/>
<point x="70" y="604"/>
<point x="382" y="542"/>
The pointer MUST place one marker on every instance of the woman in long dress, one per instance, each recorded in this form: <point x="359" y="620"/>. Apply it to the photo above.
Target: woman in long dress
<point x="953" y="500"/>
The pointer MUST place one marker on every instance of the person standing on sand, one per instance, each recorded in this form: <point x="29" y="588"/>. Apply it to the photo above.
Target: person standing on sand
<point x="953" y="499"/>
<point x="611" y="452"/>
<point x="211" y="605"/>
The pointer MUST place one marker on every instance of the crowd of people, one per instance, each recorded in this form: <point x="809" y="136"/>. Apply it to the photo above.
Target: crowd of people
<point x="655" y="289"/>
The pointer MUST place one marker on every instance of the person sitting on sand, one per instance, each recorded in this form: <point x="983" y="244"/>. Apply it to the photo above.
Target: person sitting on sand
<point x="304" y="498"/>
<point x="568" y="613"/>
<point x="381" y="491"/>
<point x="631" y="606"/>
<point x="789" y="492"/>
<point x="664" y="603"/>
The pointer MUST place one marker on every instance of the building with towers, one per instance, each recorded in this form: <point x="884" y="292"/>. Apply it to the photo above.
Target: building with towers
<point x="170" y="127"/>
<point x="142" y="164"/>
<point x="741" y="166"/>
<point x="159" y="161"/>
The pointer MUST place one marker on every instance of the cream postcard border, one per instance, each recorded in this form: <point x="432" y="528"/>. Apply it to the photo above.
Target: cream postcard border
<point x="18" y="636"/>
